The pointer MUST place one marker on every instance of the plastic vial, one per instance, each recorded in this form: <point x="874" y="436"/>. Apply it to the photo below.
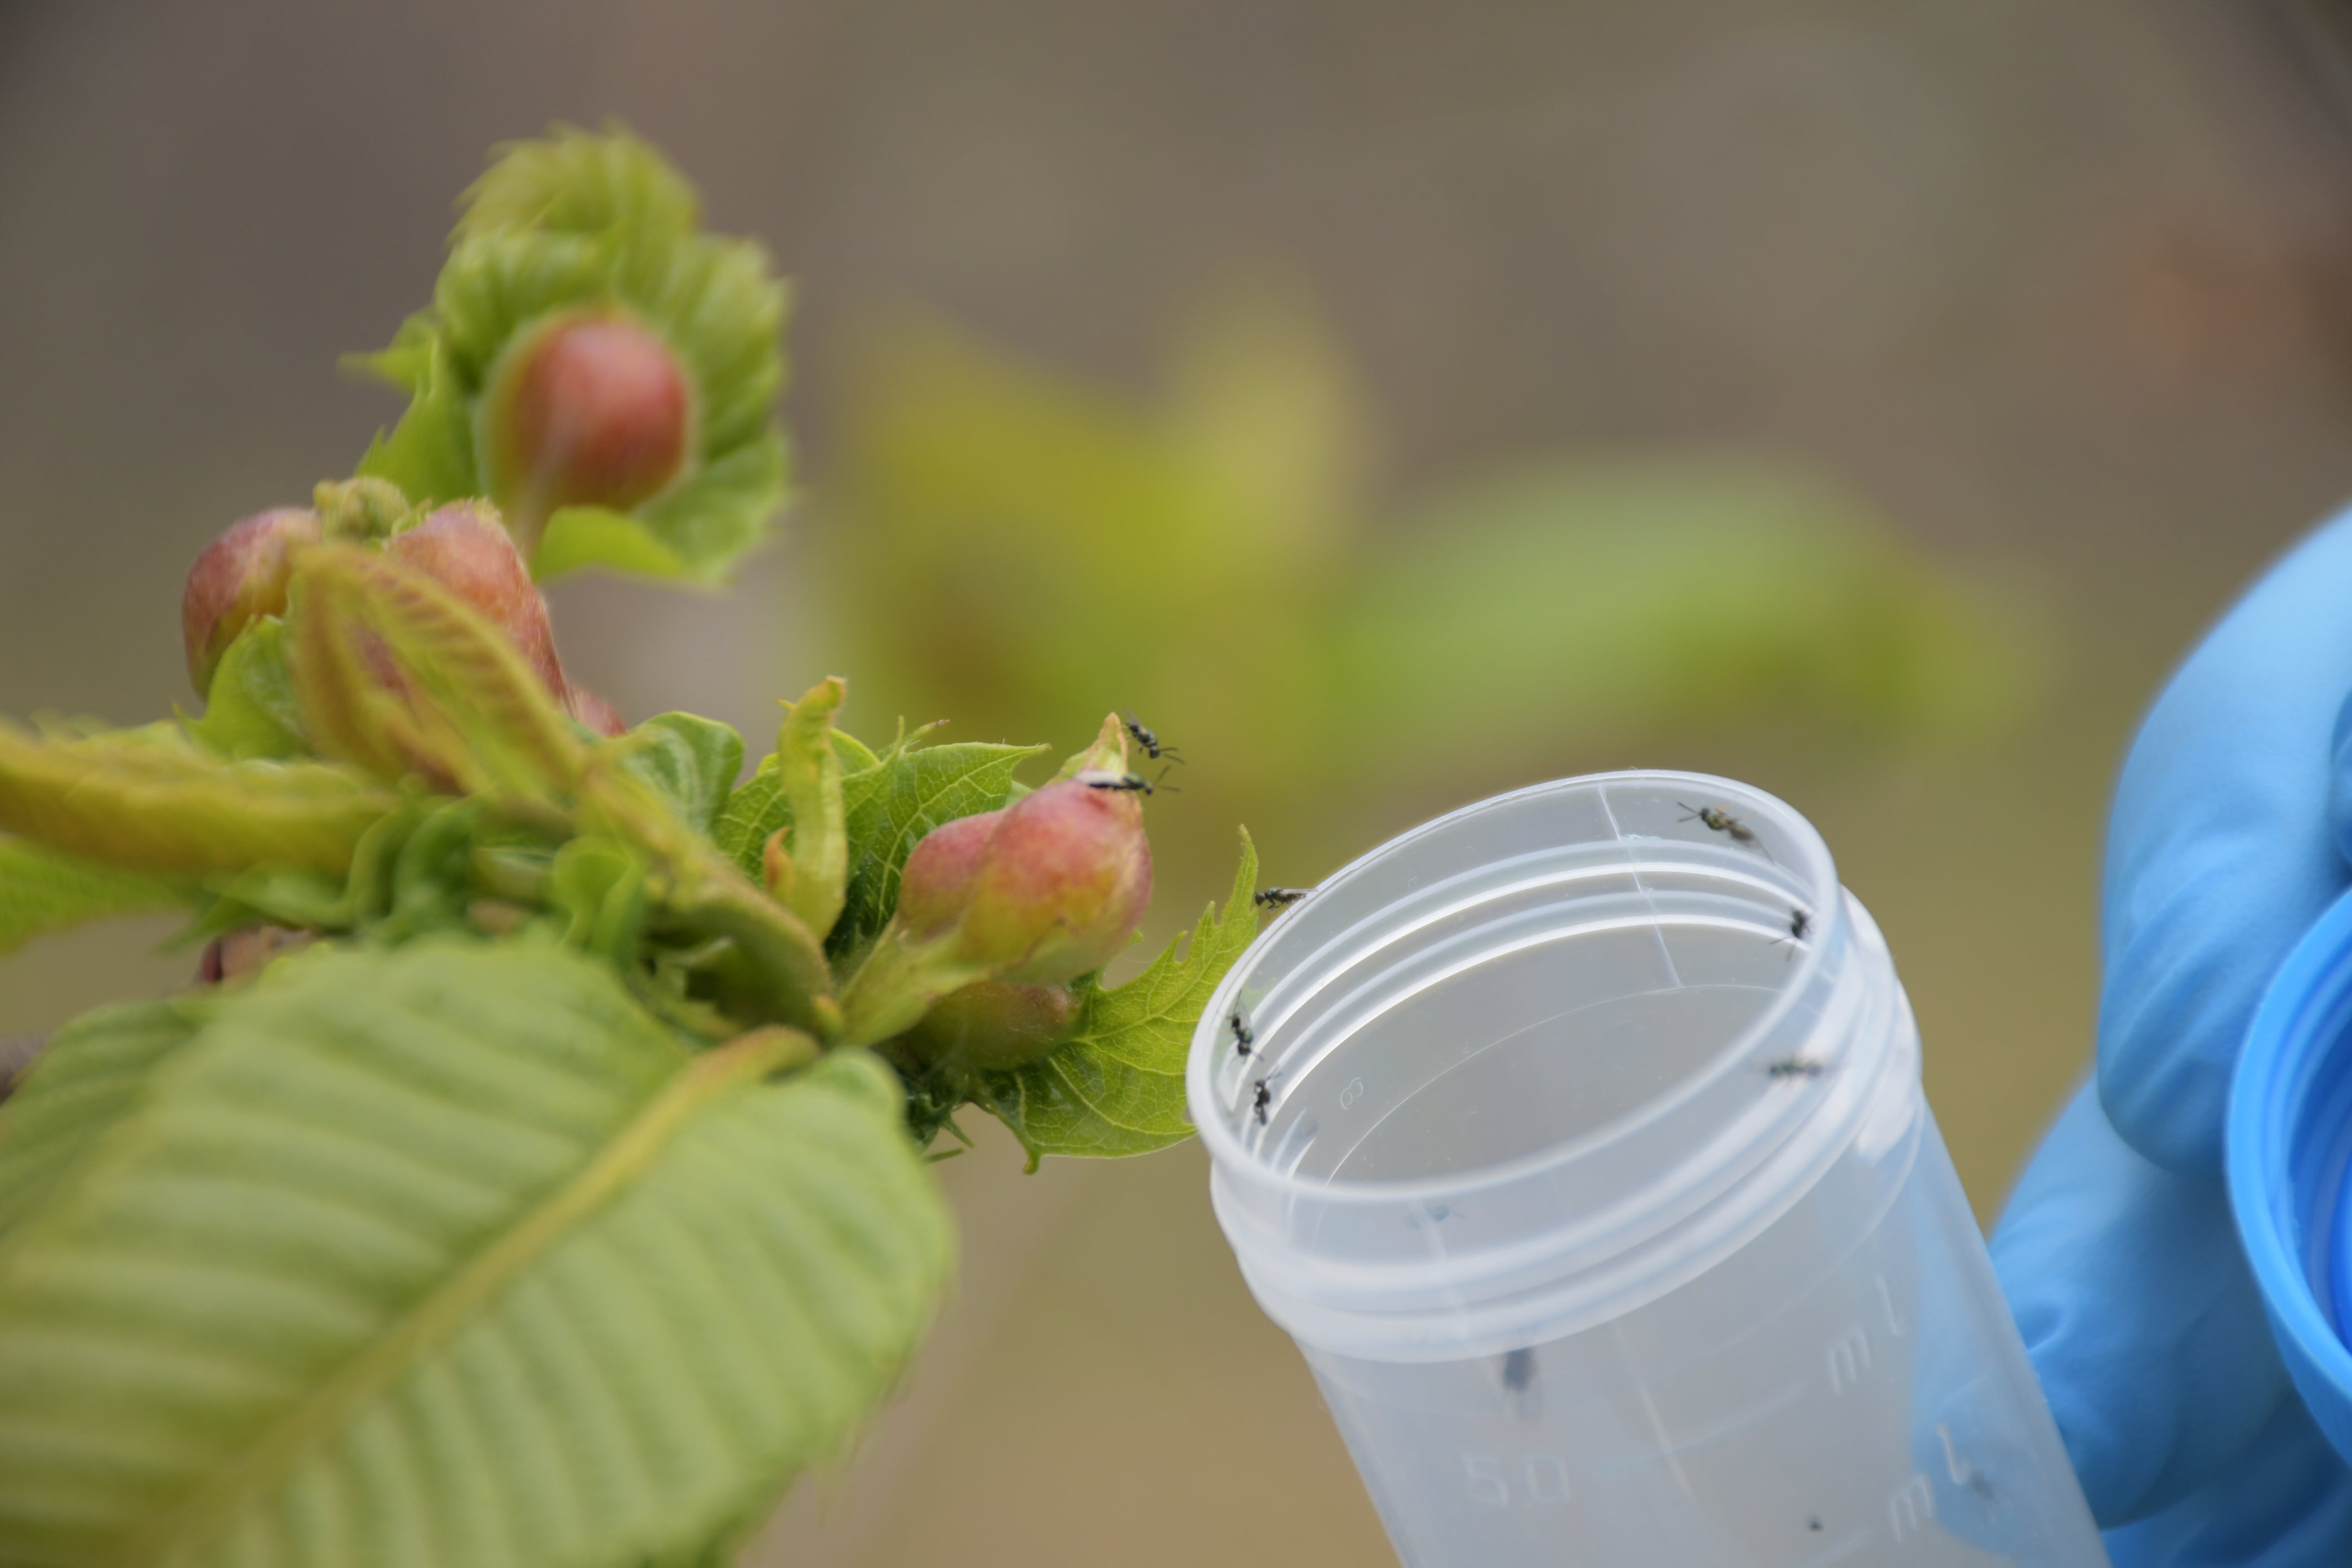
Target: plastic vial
<point x="1593" y="1178"/>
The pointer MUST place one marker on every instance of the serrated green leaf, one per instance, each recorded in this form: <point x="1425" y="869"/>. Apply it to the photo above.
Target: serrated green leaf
<point x="578" y="182"/>
<point x="42" y="891"/>
<point x="911" y="789"/>
<point x="470" y="1262"/>
<point x="1117" y="1085"/>
<point x="251" y="710"/>
<point x="691" y="760"/>
<point x="154" y="803"/>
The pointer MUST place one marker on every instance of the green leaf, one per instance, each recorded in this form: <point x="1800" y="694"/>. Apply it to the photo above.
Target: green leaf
<point x="577" y="182"/>
<point x="579" y="537"/>
<point x="42" y="891"/>
<point x="251" y="710"/>
<point x="451" y="1254"/>
<point x="812" y="877"/>
<point x="754" y="812"/>
<point x="429" y="454"/>
<point x="911" y="789"/>
<point x="89" y="1076"/>
<point x="1117" y="1085"/>
<point x="156" y="804"/>
<point x="600" y="888"/>
<point x="691" y="760"/>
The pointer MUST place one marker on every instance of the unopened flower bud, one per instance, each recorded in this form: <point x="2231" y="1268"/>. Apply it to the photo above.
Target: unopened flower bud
<point x="992" y="1026"/>
<point x="937" y="881"/>
<point x="1047" y="890"/>
<point x="588" y="409"/>
<point x="465" y="549"/>
<point x="240" y="576"/>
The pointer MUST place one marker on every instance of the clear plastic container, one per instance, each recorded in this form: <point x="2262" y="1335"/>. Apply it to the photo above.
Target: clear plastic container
<point x="1580" y="1146"/>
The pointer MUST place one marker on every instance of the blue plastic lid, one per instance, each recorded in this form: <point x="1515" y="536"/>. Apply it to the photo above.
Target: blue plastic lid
<point x="2290" y="1138"/>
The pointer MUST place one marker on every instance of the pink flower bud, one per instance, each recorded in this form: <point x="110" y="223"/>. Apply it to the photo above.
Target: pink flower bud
<point x="937" y="881"/>
<point x="1047" y="890"/>
<point x="588" y="410"/>
<point x="239" y="577"/>
<point x="992" y="1026"/>
<point x="467" y="550"/>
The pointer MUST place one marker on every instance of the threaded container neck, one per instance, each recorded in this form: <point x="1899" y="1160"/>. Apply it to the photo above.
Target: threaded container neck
<point x="1541" y="1060"/>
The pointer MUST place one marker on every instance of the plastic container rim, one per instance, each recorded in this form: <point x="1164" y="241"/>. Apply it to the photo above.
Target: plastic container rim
<point x="1816" y="872"/>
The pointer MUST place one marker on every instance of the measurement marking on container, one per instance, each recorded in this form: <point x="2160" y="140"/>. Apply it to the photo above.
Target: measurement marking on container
<point x="1910" y="1509"/>
<point x="1962" y="1472"/>
<point x="1849" y="1358"/>
<point x="1352" y="1093"/>
<point x="1542" y="1478"/>
<point x="1894" y="1323"/>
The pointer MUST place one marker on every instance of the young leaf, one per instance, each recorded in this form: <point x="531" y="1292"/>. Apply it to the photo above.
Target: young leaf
<point x="911" y="789"/>
<point x="691" y="760"/>
<point x="454" y="1229"/>
<point x="42" y="891"/>
<point x="578" y="537"/>
<point x="814" y="851"/>
<point x="577" y="182"/>
<point x="398" y="674"/>
<point x="429" y="454"/>
<point x="754" y="812"/>
<point x="1117" y="1085"/>
<point x="251" y="710"/>
<point x="158" y="805"/>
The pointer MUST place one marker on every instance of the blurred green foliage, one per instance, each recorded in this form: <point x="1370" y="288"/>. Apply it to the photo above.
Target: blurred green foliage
<point x="1023" y="549"/>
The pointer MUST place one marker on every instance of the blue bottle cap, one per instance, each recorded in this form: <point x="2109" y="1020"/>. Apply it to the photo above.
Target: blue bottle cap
<point x="2290" y="1137"/>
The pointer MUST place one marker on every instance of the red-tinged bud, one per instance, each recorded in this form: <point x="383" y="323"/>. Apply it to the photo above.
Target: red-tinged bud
<point x="465" y="549"/>
<point x="1047" y="890"/>
<point x="594" y="712"/>
<point x="590" y="409"/>
<point x="240" y="576"/>
<point x="992" y="1026"/>
<point x="937" y="881"/>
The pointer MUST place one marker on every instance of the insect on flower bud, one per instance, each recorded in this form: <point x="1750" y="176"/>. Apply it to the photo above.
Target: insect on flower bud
<point x="590" y="409"/>
<point x="240" y="576"/>
<point x="467" y="550"/>
<point x="992" y="1026"/>
<point x="1047" y="890"/>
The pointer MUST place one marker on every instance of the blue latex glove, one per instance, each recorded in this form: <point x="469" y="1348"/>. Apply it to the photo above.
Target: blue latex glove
<point x="2231" y="830"/>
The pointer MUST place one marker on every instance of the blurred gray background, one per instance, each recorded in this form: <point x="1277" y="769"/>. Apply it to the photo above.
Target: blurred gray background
<point x="2066" y="291"/>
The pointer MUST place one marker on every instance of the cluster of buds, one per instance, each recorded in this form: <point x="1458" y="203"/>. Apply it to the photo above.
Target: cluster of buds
<point x="1012" y="905"/>
<point x="243" y="576"/>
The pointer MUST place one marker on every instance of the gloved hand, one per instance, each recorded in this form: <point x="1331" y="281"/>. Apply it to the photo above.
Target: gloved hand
<point x="2232" y="833"/>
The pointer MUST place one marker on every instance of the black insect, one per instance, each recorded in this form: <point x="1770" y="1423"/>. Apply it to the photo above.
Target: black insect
<point x="1263" y="1100"/>
<point x="1800" y="926"/>
<point x="1519" y="1370"/>
<point x="1278" y="897"/>
<point x="1126" y="784"/>
<point x="1715" y="819"/>
<point x="1814" y="1524"/>
<point x="1149" y="740"/>
<point x="1797" y="1066"/>
<point x="1243" y="1036"/>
